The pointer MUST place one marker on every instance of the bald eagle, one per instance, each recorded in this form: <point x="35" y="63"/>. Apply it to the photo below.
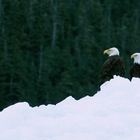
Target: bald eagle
<point x="112" y="66"/>
<point x="135" y="70"/>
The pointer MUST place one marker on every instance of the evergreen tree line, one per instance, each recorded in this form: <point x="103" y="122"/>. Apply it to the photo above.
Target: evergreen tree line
<point x="52" y="49"/>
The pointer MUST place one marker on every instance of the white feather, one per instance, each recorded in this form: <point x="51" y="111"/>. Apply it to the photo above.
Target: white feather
<point x="112" y="51"/>
<point x="136" y="57"/>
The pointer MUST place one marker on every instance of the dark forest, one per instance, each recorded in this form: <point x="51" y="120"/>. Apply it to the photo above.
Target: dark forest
<point x="52" y="49"/>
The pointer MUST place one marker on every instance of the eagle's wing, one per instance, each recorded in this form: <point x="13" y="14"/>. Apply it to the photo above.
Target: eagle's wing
<point x="113" y="66"/>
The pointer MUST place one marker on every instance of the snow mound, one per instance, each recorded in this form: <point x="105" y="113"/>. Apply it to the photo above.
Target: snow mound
<point x="112" y="114"/>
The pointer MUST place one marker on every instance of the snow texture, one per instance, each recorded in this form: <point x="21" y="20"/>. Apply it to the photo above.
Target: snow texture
<point x="112" y="114"/>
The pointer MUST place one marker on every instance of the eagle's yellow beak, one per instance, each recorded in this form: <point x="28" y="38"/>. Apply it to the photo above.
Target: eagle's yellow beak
<point x="106" y="51"/>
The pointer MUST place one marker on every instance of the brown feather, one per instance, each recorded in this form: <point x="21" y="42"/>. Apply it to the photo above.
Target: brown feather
<point x="135" y="70"/>
<point x="112" y="66"/>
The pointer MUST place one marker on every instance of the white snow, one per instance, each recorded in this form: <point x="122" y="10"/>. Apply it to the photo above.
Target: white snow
<point x="112" y="114"/>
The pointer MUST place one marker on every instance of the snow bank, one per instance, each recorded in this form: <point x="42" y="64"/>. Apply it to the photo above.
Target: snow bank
<point x="112" y="114"/>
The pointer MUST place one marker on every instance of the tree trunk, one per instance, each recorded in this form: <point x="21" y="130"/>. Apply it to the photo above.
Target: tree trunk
<point x="40" y="63"/>
<point x="54" y="24"/>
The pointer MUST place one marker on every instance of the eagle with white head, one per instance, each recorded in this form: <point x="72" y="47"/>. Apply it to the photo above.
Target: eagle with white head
<point x="114" y="65"/>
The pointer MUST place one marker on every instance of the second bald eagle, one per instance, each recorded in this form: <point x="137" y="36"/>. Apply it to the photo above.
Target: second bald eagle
<point x="135" y="70"/>
<point x="114" y="65"/>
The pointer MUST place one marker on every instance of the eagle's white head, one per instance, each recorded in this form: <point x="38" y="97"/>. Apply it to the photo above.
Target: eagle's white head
<point x="112" y="51"/>
<point x="136" y="57"/>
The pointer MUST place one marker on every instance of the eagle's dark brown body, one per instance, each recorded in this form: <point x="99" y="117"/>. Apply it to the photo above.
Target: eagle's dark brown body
<point x="135" y="70"/>
<point x="113" y="66"/>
